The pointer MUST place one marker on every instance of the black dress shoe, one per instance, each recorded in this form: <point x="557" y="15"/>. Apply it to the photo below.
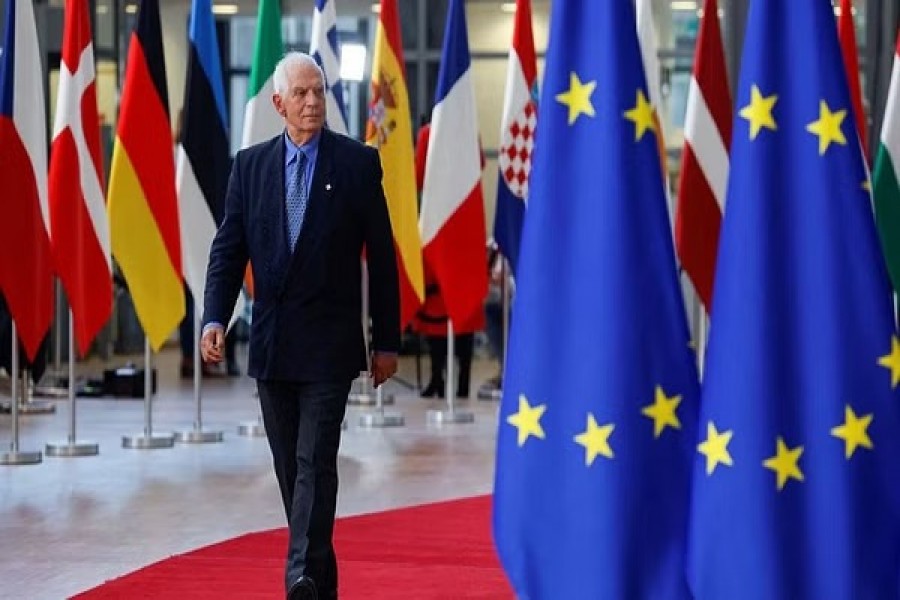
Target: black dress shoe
<point x="434" y="389"/>
<point x="303" y="589"/>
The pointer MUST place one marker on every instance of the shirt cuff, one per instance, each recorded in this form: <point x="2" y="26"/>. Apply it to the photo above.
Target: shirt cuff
<point x="212" y="325"/>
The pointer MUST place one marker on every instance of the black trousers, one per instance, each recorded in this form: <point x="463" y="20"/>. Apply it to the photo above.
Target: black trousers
<point x="303" y="424"/>
<point x="463" y="348"/>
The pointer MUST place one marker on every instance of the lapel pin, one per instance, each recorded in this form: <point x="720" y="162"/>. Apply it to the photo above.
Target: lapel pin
<point x="328" y="187"/>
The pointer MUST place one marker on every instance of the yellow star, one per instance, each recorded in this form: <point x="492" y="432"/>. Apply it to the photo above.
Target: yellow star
<point x="867" y="185"/>
<point x="892" y="361"/>
<point x="828" y="127"/>
<point x="784" y="463"/>
<point x="527" y="420"/>
<point x="853" y="431"/>
<point x="595" y="440"/>
<point x="759" y="112"/>
<point x="662" y="411"/>
<point x="577" y="97"/>
<point x="715" y="448"/>
<point x="641" y="115"/>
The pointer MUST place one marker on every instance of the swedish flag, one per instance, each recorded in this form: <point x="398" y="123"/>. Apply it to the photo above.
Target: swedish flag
<point x="597" y="422"/>
<point x="797" y="479"/>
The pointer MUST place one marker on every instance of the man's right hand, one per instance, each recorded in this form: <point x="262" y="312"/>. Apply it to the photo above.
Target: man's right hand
<point x="212" y="344"/>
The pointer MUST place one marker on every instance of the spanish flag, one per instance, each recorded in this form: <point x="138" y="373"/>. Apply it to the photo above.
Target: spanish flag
<point x="390" y="130"/>
<point x="143" y="208"/>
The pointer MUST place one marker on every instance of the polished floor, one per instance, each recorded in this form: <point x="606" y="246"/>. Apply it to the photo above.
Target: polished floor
<point x="68" y="524"/>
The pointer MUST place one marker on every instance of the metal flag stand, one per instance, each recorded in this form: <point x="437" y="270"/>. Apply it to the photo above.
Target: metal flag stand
<point x="253" y="428"/>
<point x="378" y="418"/>
<point x="148" y="440"/>
<point x="14" y="456"/>
<point x="362" y="393"/>
<point x="451" y="415"/>
<point x="72" y="447"/>
<point x="197" y="435"/>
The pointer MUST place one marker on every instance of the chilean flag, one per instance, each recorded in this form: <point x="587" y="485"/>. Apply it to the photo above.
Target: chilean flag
<point x="26" y="270"/>
<point x="452" y="217"/>
<point x="516" y="136"/>
<point x="78" y="220"/>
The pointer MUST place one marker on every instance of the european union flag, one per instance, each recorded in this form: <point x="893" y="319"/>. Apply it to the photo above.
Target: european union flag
<point x="797" y="477"/>
<point x="597" y="422"/>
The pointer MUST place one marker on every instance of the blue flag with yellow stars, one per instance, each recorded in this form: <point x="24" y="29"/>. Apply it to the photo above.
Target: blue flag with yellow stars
<point x="597" y="424"/>
<point x="797" y="476"/>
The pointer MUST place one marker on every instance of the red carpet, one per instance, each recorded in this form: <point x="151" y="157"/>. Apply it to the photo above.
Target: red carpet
<point x="435" y="551"/>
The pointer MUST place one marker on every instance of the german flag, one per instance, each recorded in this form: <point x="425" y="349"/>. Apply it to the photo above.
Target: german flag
<point x="143" y="208"/>
<point x="390" y="130"/>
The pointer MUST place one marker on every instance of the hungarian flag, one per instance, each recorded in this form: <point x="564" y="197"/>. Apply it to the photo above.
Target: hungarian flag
<point x="390" y="130"/>
<point x="847" y="35"/>
<point x="886" y="177"/>
<point x="704" y="162"/>
<point x="261" y="120"/>
<point x="452" y="218"/>
<point x="26" y="267"/>
<point x="516" y="136"/>
<point x="143" y="207"/>
<point x="325" y="48"/>
<point x="79" y="225"/>
<point x="203" y="163"/>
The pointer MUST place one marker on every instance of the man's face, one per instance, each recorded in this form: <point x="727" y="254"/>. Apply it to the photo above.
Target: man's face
<point x="303" y="106"/>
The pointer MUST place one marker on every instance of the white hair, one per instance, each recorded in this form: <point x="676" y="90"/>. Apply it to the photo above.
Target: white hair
<point x="288" y="63"/>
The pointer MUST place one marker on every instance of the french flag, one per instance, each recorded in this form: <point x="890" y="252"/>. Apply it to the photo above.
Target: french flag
<point x="516" y="136"/>
<point x="452" y="216"/>
<point x="26" y="267"/>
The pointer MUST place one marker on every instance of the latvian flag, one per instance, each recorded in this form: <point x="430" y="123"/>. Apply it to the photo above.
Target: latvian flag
<point x="516" y="136"/>
<point x="705" y="162"/>
<point x="452" y="217"/>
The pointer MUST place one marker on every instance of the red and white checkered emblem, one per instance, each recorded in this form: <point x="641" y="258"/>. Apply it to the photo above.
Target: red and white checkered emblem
<point x="515" y="150"/>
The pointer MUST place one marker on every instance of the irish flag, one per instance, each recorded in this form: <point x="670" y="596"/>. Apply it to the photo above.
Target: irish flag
<point x="143" y="208"/>
<point x="886" y="177"/>
<point x="390" y="130"/>
<point x="261" y="121"/>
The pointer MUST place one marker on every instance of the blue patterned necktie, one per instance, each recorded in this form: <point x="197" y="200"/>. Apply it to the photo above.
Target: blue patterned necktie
<point x="297" y="199"/>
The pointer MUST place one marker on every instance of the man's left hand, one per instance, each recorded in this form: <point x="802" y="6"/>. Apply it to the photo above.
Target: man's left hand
<point x="384" y="365"/>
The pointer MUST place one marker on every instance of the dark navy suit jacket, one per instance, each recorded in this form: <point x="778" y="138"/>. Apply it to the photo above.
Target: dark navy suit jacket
<point x="307" y="304"/>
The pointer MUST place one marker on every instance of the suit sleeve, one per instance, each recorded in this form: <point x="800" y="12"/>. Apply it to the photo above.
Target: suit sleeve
<point x="228" y="254"/>
<point x="384" y="282"/>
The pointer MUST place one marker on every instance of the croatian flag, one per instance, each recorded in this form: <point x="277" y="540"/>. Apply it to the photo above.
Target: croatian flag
<point x="325" y="48"/>
<point x="26" y="268"/>
<point x="452" y="216"/>
<point x="516" y="136"/>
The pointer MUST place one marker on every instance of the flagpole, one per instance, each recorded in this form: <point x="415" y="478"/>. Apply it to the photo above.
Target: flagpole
<point x="148" y="440"/>
<point x="197" y="435"/>
<point x="364" y="394"/>
<point x="72" y="447"/>
<point x="451" y="415"/>
<point x="14" y="456"/>
<point x="505" y="305"/>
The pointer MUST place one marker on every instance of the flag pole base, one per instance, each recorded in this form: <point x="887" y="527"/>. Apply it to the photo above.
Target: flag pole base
<point x="33" y="407"/>
<point x="251" y="429"/>
<point x="148" y="442"/>
<point x="19" y="458"/>
<point x="199" y="436"/>
<point x="64" y="449"/>
<point x="378" y="420"/>
<point x="449" y="417"/>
